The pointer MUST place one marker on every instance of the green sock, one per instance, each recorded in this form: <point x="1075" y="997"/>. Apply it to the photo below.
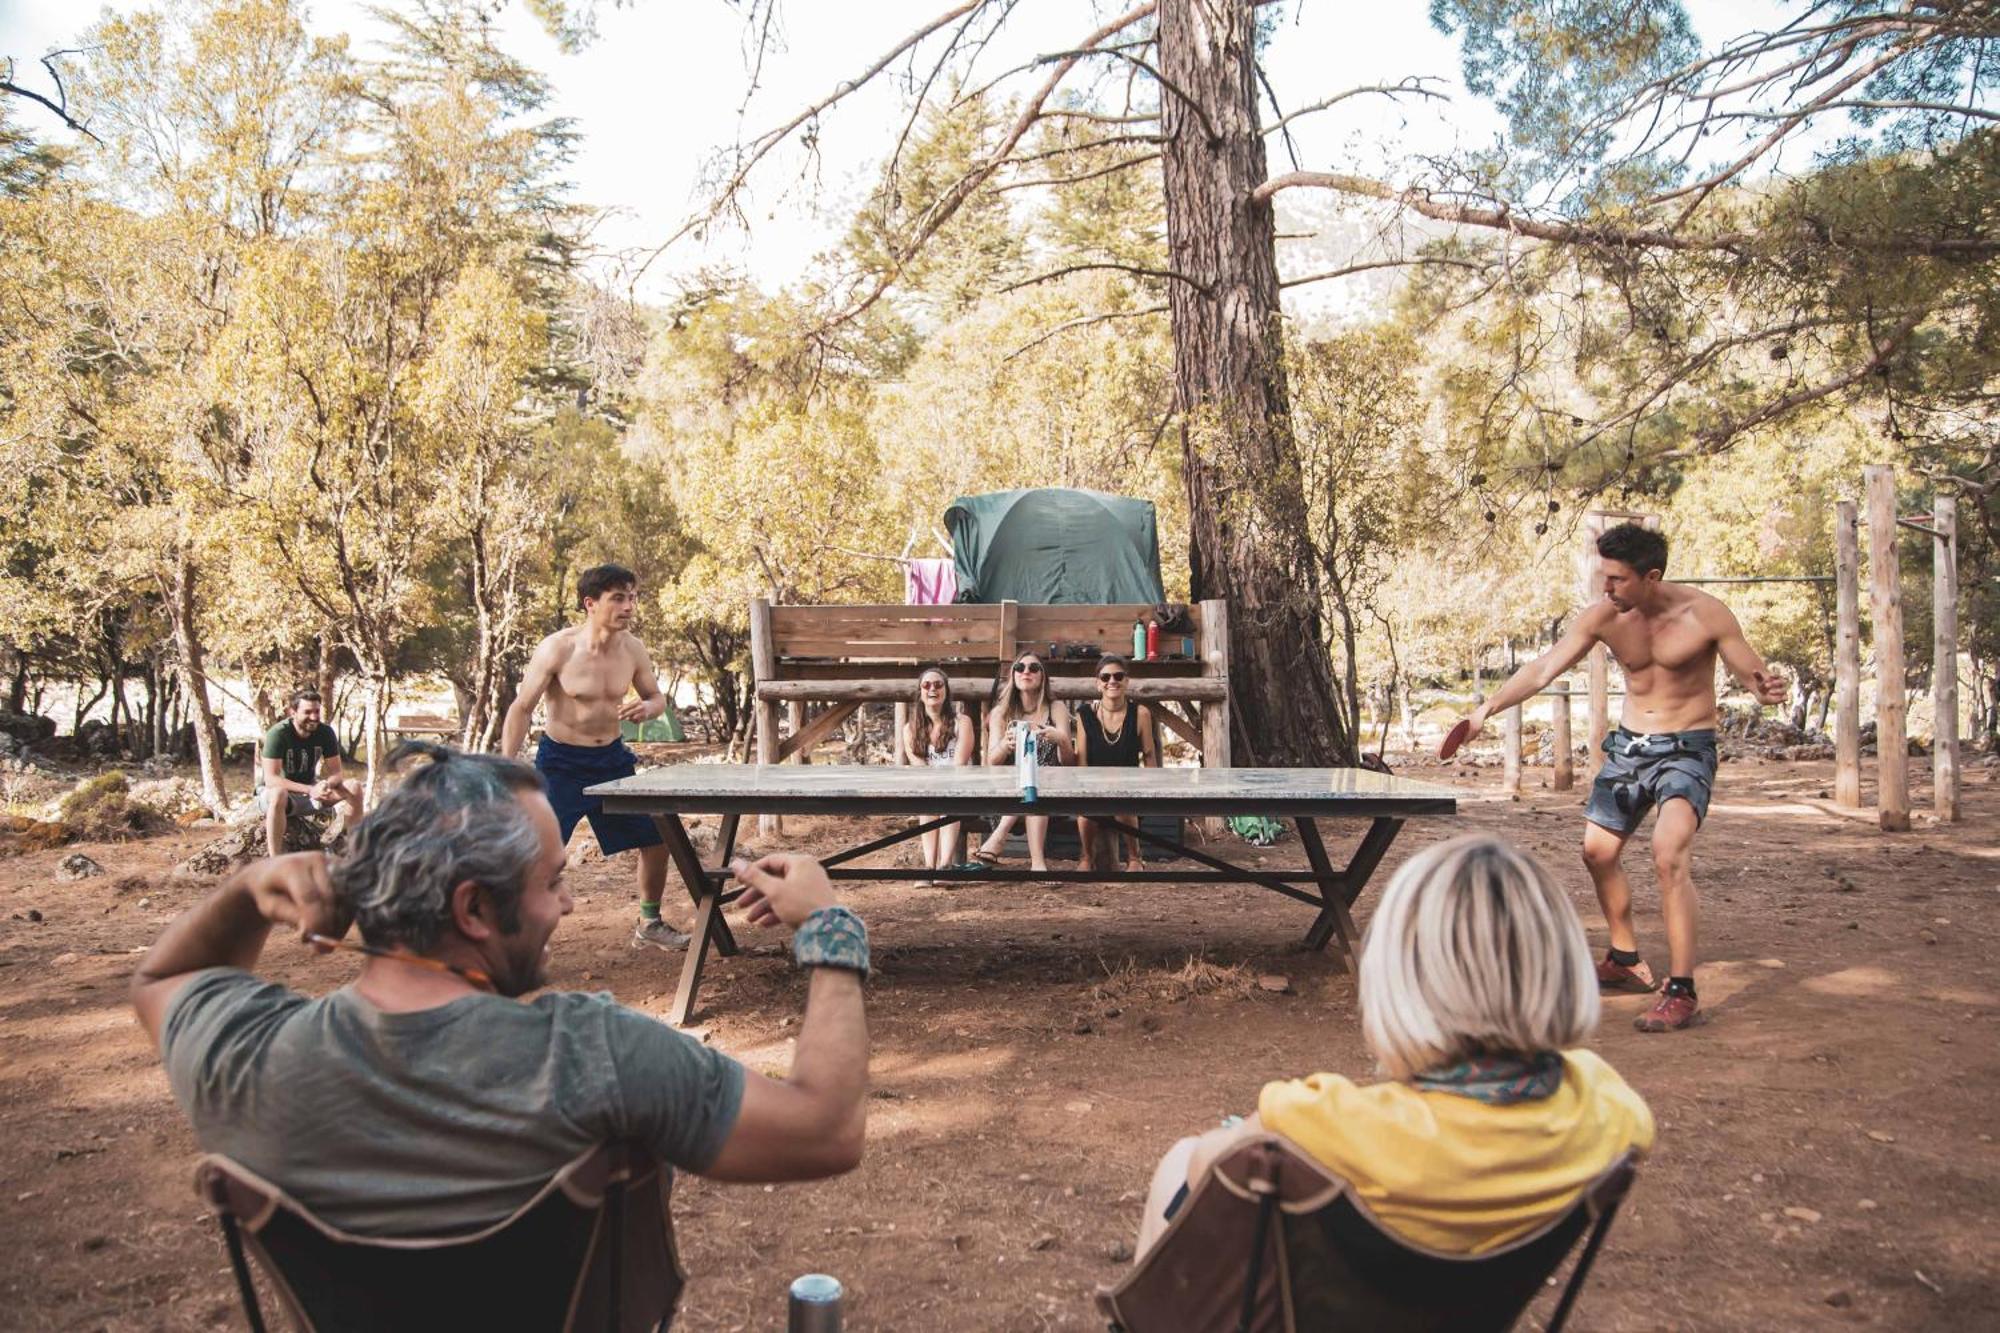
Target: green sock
<point x="649" y="911"/>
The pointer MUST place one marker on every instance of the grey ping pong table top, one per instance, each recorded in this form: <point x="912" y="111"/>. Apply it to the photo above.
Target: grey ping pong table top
<point x="859" y="789"/>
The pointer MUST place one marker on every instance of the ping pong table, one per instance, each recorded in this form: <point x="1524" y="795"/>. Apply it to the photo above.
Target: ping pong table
<point x="945" y="795"/>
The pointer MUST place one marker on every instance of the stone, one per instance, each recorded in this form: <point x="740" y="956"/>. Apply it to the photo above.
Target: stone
<point x="1803" y="1214"/>
<point x="1881" y="1136"/>
<point x="77" y="866"/>
<point x="1275" y="984"/>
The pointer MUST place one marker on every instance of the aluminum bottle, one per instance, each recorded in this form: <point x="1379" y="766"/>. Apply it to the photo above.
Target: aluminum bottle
<point x="1025" y="760"/>
<point x="815" y="1305"/>
<point x="1138" y="641"/>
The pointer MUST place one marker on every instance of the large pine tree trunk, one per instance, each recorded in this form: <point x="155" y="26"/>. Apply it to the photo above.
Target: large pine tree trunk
<point x="194" y="683"/>
<point x="1246" y="506"/>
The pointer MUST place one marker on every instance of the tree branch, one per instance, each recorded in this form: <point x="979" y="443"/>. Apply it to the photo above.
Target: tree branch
<point x="1504" y="218"/>
<point x="1412" y="84"/>
<point x="1380" y="263"/>
<point x="60" y="106"/>
<point x="1139" y="270"/>
<point x="1082" y="322"/>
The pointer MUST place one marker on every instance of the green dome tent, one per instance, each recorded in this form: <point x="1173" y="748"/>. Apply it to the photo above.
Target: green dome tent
<point x="1055" y="545"/>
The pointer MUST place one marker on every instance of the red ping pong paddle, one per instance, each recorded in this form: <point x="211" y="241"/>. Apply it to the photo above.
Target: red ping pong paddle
<point x="1455" y="738"/>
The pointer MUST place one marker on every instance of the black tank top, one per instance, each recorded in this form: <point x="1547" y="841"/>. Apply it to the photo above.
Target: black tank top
<point x="1101" y="751"/>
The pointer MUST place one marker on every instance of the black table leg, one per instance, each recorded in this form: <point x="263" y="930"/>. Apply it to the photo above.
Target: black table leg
<point x="1328" y="924"/>
<point x="1341" y="888"/>
<point x="701" y="883"/>
<point x="709" y="924"/>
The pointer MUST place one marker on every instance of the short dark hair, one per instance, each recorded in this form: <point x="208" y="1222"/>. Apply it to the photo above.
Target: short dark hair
<point x="1642" y="548"/>
<point x="1113" y="659"/>
<point x="302" y="696"/>
<point x="600" y="579"/>
<point x="453" y="819"/>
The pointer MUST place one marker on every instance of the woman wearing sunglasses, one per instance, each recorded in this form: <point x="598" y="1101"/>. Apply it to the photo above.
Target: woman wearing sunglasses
<point x="1113" y="733"/>
<point x="937" y="735"/>
<point x="1024" y="697"/>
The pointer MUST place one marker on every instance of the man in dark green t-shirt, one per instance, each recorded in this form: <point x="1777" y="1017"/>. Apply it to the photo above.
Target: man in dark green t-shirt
<point x="300" y="770"/>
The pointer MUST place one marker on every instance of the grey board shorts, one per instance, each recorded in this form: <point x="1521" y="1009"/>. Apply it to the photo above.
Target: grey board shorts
<point x="1642" y="771"/>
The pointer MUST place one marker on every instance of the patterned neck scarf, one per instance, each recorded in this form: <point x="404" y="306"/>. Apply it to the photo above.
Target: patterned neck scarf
<point x="1500" y="1080"/>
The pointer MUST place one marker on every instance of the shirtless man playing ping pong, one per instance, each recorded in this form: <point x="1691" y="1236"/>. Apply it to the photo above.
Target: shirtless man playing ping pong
<point x="1666" y="637"/>
<point x="585" y="672"/>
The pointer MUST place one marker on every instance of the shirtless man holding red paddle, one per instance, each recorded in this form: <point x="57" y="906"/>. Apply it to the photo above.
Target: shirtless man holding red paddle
<point x="1666" y="637"/>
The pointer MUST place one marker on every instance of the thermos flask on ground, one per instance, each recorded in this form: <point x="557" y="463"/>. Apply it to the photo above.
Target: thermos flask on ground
<point x="815" y="1305"/>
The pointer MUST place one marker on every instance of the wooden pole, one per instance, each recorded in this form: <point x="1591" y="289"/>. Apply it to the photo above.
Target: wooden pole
<point x="902" y="721"/>
<point x="1892" y="745"/>
<point x="1846" y="657"/>
<point x="1510" y="741"/>
<point x="1944" y="659"/>
<point x="1214" y="650"/>
<point x="1565" y="763"/>
<point x="1596" y="662"/>
<point x="763" y="667"/>
<point x="795" y="713"/>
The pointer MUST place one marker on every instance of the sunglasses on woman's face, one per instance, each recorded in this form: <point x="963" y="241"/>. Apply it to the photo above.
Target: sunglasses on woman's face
<point x="931" y="685"/>
<point x="1109" y="676"/>
<point x="1027" y="668"/>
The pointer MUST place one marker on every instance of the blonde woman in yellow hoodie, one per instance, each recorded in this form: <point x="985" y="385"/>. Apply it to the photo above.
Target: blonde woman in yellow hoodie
<point x="1477" y="992"/>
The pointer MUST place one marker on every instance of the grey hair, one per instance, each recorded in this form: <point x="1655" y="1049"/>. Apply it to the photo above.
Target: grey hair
<point x="1473" y="951"/>
<point x="453" y="819"/>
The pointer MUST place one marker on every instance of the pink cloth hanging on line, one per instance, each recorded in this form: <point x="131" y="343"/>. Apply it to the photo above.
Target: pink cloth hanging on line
<point x="929" y="582"/>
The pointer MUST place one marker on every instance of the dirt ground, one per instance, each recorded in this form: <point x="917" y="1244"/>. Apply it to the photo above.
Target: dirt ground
<point x="1826" y="1153"/>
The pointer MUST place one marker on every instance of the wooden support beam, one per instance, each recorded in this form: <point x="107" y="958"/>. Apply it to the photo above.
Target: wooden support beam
<point x="1010" y="626"/>
<point x="1944" y="657"/>
<point x="817" y="730"/>
<point x="763" y="668"/>
<point x="1213" y="648"/>
<point x="1177" y="724"/>
<point x="1846" y="657"/>
<point x="1510" y="741"/>
<point x="896" y="745"/>
<point x="1141" y="689"/>
<point x="1564" y="776"/>
<point x="1892" y="745"/>
<point x="795" y="715"/>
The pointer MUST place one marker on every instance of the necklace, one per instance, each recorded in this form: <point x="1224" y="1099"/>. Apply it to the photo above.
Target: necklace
<point x="1113" y="737"/>
<point x="471" y="974"/>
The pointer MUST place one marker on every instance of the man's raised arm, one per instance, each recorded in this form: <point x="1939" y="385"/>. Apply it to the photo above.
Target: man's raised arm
<point x="651" y="703"/>
<point x="534" y="684"/>
<point x="1741" y="659"/>
<point x="812" y="1122"/>
<point x="1535" y="677"/>
<point x="228" y="928"/>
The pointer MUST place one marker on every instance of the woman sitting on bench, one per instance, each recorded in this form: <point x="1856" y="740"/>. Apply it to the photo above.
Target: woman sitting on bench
<point x="937" y="735"/>
<point x="1477" y="988"/>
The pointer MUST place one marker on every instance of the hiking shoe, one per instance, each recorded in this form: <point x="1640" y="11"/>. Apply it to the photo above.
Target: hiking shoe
<point x="1634" y="980"/>
<point x="658" y="934"/>
<point x="1674" y="1011"/>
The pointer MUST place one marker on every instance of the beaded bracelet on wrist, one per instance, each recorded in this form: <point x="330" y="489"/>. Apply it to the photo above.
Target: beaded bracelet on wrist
<point x="832" y="937"/>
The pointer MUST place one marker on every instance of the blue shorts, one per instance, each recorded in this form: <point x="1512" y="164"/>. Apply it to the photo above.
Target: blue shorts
<point x="1641" y="771"/>
<point x="567" y="769"/>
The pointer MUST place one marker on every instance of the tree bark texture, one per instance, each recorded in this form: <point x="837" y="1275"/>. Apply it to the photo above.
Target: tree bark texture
<point x="1246" y="505"/>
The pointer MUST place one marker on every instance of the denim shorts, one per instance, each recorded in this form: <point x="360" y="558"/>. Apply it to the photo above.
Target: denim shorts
<point x="1642" y="771"/>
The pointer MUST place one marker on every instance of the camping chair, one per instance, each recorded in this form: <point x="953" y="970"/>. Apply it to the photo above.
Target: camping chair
<point x="1270" y="1241"/>
<point x="592" y="1252"/>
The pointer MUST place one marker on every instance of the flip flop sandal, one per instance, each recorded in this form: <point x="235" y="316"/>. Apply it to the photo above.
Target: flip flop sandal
<point x="986" y="858"/>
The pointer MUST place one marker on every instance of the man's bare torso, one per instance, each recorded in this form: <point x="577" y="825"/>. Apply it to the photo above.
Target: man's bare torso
<point x="1668" y="657"/>
<point x="588" y="685"/>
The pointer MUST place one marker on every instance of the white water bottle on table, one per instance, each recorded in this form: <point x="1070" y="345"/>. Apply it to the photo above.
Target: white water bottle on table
<point x="1025" y="764"/>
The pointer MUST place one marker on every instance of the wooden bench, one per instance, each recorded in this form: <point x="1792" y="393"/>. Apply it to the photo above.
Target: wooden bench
<point x="840" y="657"/>
<point x="423" y="724"/>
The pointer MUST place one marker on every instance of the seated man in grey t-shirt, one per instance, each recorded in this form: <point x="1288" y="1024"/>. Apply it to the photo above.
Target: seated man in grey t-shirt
<point x="425" y="1098"/>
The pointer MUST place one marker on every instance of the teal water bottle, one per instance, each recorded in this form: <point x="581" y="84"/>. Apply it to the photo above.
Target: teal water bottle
<point x="1138" y="641"/>
<point x="1025" y="760"/>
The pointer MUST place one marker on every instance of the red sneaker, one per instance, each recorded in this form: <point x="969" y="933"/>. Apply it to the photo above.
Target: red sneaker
<point x="1674" y="1011"/>
<point x="1637" y="979"/>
